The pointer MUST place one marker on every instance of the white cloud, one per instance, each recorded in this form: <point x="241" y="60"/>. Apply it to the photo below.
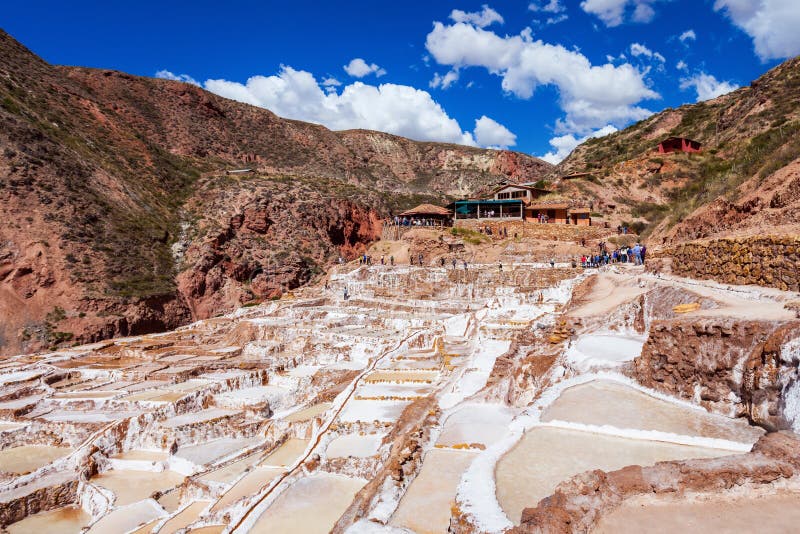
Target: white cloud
<point x="168" y="75"/>
<point x="613" y="12"/>
<point x="444" y="81"/>
<point x="688" y="35"/>
<point x="397" y="109"/>
<point x="358" y="68"/>
<point x="682" y="65"/>
<point x="772" y="24"/>
<point x="591" y="95"/>
<point x="565" y="144"/>
<point x="707" y="86"/>
<point x="641" y="50"/>
<point x="547" y="6"/>
<point x="330" y="81"/>
<point x="554" y="8"/>
<point x="491" y="133"/>
<point x="483" y="18"/>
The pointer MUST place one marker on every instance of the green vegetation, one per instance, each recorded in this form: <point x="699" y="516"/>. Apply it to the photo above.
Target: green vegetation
<point x="470" y="236"/>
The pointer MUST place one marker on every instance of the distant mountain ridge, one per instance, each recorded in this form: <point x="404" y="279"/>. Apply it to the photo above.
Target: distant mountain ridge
<point x="122" y="221"/>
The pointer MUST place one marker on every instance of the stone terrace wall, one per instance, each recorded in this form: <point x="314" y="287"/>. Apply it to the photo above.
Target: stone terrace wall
<point x="534" y="229"/>
<point x="771" y="261"/>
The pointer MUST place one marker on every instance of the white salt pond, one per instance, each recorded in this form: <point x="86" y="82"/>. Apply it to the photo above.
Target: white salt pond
<point x="286" y="454"/>
<point x="545" y="456"/>
<point x="131" y="486"/>
<point x="29" y="458"/>
<point x="202" y="416"/>
<point x="426" y="506"/>
<point x="308" y="413"/>
<point x="311" y="505"/>
<point x="372" y="410"/>
<point x="476" y="423"/>
<point x="248" y="485"/>
<point x="771" y="514"/>
<point x="231" y="471"/>
<point x="67" y="519"/>
<point x="393" y="390"/>
<point x="183" y="518"/>
<point x="204" y="453"/>
<point x="128" y="518"/>
<point x="240" y="398"/>
<point x="354" y="445"/>
<point x="604" y="402"/>
<point x="592" y="351"/>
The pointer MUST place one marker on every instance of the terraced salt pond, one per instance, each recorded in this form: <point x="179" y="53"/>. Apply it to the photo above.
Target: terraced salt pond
<point x="772" y="514"/>
<point x="545" y="456"/>
<point x="131" y="486"/>
<point x="28" y="458"/>
<point x="311" y="505"/>
<point x="606" y="424"/>
<point x="354" y="445"/>
<point x="604" y="402"/>
<point x="426" y="505"/>
<point x="248" y="485"/>
<point x="287" y="454"/>
<point x="604" y="350"/>
<point x="67" y="519"/>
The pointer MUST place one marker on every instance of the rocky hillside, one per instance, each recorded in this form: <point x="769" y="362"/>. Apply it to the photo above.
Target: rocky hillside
<point x="120" y="219"/>
<point x="745" y="180"/>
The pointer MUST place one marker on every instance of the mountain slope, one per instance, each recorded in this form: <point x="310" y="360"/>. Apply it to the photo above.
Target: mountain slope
<point x="744" y="178"/>
<point x="121" y="219"/>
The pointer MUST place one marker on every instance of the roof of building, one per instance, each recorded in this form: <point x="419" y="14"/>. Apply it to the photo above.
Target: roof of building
<point x="579" y="210"/>
<point x="676" y="138"/>
<point x="549" y="206"/>
<point x="520" y="186"/>
<point x="427" y="209"/>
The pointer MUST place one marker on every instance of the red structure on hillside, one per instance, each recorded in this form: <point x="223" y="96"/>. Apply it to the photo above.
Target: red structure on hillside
<point x="678" y="144"/>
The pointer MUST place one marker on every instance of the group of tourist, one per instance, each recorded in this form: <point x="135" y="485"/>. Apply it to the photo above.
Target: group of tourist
<point x="415" y="221"/>
<point x="635" y="255"/>
<point x="502" y="232"/>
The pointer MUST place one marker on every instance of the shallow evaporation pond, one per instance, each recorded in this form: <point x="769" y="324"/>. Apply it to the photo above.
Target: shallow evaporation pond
<point x="67" y="519"/>
<point x="604" y="402"/>
<point x="546" y="456"/>
<point x="426" y="506"/>
<point x="231" y="471"/>
<point x="604" y="350"/>
<point x="28" y="458"/>
<point x="142" y="455"/>
<point x="185" y="517"/>
<point x="771" y="514"/>
<point x="476" y="423"/>
<point x="130" y="486"/>
<point x="210" y="451"/>
<point x="372" y="410"/>
<point x="402" y="376"/>
<point x="286" y="454"/>
<point x="311" y="505"/>
<point x="248" y="485"/>
<point x="127" y="518"/>
<point x="354" y="445"/>
<point x="308" y="413"/>
<point x="392" y="390"/>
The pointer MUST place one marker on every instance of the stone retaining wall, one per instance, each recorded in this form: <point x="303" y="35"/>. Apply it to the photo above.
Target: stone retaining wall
<point x="771" y="261"/>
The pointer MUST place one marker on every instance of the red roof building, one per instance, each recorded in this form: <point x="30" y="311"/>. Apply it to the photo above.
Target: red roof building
<point x="678" y="144"/>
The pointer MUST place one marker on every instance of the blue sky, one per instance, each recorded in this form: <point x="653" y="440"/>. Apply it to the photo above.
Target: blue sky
<point x="536" y="76"/>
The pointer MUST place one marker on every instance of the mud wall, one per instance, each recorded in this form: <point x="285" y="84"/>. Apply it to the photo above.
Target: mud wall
<point x="729" y="366"/>
<point x="770" y="261"/>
